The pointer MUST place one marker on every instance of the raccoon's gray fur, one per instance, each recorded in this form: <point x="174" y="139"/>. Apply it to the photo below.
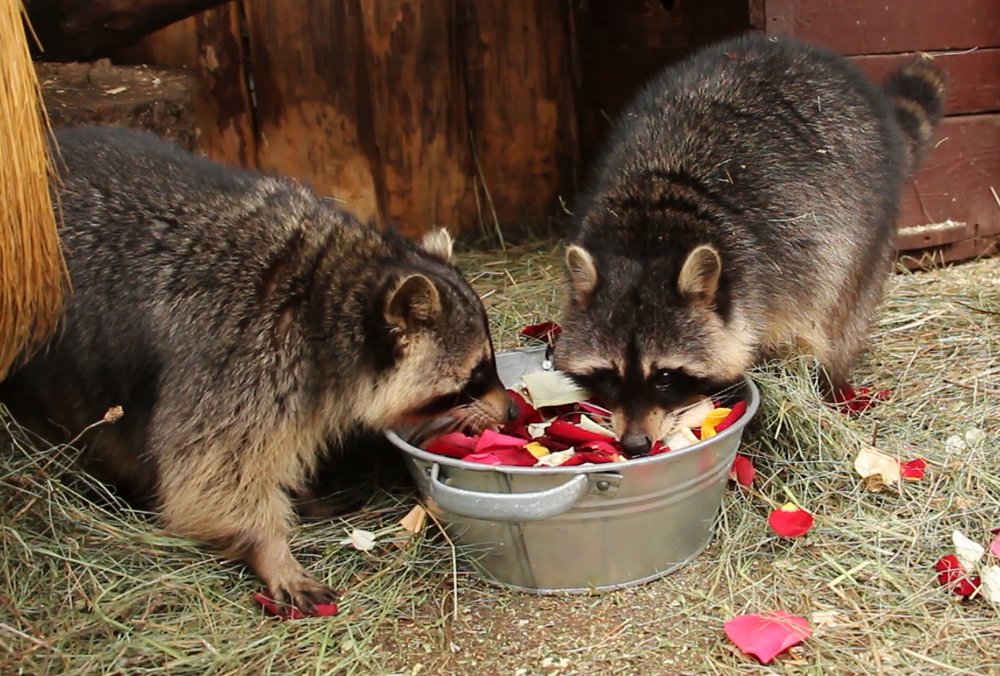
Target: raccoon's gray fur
<point x="242" y="323"/>
<point x="746" y="200"/>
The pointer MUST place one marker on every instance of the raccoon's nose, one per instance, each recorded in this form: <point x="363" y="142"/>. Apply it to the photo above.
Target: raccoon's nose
<point x="636" y="443"/>
<point x="512" y="410"/>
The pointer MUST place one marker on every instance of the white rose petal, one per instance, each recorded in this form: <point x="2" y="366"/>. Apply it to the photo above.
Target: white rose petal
<point x="682" y="438"/>
<point x="595" y="427"/>
<point x="871" y="462"/>
<point x="974" y="437"/>
<point x="967" y="551"/>
<point x="955" y="444"/>
<point x="362" y="540"/>
<point x="538" y="429"/>
<point x="555" y="459"/>
<point x="991" y="583"/>
<point x="552" y="388"/>
<point x="694" y="415"/>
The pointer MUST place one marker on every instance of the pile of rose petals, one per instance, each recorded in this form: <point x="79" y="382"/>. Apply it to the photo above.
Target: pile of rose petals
<point x="566" y="435"/>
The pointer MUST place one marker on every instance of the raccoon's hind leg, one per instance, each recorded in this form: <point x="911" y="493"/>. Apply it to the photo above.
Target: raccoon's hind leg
<point x="231" y="495"/>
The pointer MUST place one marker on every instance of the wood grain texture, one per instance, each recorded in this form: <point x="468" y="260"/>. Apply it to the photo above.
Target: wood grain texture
<point x="420" y="119"/>
<point x="210" y="46"/>
<point x="973" y="77"/>
<point x="886" y="26"/>
<point x="314" y="112"/>
<point x="521" y="106"/>
<point x="955" y="177"/>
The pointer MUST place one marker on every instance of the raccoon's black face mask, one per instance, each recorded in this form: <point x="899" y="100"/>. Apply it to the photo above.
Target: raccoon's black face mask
<point x="643" y="339"/>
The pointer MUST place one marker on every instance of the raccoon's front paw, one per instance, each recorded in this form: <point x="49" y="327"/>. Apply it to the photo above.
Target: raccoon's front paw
<point x="303" y="593"/>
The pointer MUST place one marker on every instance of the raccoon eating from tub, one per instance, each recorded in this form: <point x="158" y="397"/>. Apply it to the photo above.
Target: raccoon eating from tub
<point x="745" y="202"/>
<point x="242" y="323"/>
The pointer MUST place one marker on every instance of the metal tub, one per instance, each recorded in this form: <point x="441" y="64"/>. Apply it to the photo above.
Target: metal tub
<point x="585" y="527"/>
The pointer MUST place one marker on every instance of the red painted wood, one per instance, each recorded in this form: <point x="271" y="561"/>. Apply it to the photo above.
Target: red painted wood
<point x="973" y="77"/>
<point x="955" y="177"/>
<point x="887" y="26"/>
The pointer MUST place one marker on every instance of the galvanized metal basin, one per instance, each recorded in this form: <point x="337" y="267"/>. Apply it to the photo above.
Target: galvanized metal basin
<point x="580" y="528"/>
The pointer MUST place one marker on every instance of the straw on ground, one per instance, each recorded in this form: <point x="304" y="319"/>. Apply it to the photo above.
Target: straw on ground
<point x="86" y="586"/>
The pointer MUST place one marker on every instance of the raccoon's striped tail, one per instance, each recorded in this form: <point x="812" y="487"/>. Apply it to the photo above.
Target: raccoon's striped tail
<point x="917" y="92"/>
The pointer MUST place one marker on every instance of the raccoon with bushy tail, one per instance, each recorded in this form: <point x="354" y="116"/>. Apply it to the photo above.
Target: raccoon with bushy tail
<point x="243" y="324"/>
<point x="746" y="202"/>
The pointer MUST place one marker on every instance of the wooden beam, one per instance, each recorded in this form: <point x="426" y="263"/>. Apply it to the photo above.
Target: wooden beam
<point x="70" y="30"/>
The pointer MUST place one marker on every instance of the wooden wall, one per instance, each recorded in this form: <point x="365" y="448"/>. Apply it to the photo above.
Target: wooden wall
<point x="482" y="115"/>
<point x="960" y="176"/>
<point x="476" y="115"/>
<point x="412" y="112"/>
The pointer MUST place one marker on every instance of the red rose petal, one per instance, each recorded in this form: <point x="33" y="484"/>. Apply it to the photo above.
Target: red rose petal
<point x="453" y="445"/>
<point x="600" y="446"/>
<point x="517" y="457"/>
<point x="490" y="440"/>
<point x="595" y="457"/>
<point x="545" y="331"/>
<point x="593" y="408"/>
<point x="951" y="574"/>
<point x="553" y="444"/>
<point x="849" y="400"/>
<point x="572" y="434"/>
<point x="743" y="471"/>
<point x="291" y="612"/>
<point x="737" y="411"/>
<point x="658" y="447"/>
<point x="767" y="634"/>
<point x="995" y="545"/>
<point x="790" y="521"/>
<point x="913" y="469"/>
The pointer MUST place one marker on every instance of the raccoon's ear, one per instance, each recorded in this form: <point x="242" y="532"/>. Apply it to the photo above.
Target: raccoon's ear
<point x="414" y="302"/>
<point x="582" y="273"/>
<point x="699" y="278"/>
<point x="439" y="243"/>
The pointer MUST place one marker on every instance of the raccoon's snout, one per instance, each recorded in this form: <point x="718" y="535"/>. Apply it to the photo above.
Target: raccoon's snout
<point x="636" y="442"/>
<point x="512" y="410"/>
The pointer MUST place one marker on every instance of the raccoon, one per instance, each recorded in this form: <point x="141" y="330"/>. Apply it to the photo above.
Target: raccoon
<point x="745" y="203"/>
<point x="242" y="323"/>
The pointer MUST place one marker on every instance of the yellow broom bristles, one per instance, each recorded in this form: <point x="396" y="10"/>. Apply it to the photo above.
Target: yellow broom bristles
<point x="32" y="269"/>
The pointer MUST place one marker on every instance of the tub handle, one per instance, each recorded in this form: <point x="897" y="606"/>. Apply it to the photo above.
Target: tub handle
<point x="517" y="507"/>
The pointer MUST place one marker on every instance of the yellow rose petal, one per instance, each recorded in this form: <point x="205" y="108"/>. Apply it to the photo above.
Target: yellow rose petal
<point x="714" y="417"/>
<point x="536" y="449"/>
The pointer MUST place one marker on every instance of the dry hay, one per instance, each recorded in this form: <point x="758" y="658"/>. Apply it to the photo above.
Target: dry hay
<point x="87" y="587"/>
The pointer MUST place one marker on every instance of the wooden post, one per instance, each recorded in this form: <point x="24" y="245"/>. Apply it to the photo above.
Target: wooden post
<point x="420" y="119"/>
<point x="521" y="106"/>
<point x="314" y="112"/>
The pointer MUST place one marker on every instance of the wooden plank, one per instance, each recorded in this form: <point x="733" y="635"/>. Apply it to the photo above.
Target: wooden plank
<point x="620" y="45"/>
<point x="955" y="178"/>
<point x="314" y="116"/>
<point x="521" y="106"/>
<point x="968" y="249"/>
<point x="973" y="77"/>
<point x="867" y="27"/>
<point x="210" y="46"/>
<point x="420" y="116"/>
